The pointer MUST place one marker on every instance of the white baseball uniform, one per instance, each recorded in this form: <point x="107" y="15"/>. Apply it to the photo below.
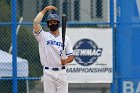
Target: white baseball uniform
<point x="50" y="49"/>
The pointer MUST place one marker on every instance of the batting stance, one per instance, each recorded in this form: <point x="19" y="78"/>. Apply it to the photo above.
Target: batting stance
<point x="50" y="49"/>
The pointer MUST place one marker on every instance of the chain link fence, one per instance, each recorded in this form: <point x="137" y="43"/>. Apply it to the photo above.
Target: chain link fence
<point x="80" y="13"/>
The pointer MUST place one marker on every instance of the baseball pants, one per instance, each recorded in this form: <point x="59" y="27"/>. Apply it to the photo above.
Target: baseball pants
<point x="55" y="81"/>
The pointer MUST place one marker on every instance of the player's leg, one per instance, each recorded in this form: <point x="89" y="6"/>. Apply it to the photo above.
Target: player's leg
<point x="62" y="89"/>
<point x="62" y="84"/>
<point x="49" y="84"/>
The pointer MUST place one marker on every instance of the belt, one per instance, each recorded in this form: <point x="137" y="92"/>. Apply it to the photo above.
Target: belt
<point x="55" y="69"/>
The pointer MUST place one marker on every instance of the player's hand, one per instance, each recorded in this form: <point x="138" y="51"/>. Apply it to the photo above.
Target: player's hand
<point x="50" y="8"/>
<point x="63" y="61"/>
<point x="47" y="8"/>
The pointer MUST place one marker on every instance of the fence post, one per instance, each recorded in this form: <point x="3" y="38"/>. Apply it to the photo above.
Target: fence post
<point x="14" y="46"/>
<point x="114" y="43"/>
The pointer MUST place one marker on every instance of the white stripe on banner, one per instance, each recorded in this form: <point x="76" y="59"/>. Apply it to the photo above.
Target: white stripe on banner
<point x="138" y="6"/>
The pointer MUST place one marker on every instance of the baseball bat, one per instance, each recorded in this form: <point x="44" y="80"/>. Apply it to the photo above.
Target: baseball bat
<point x="63" y="29"/>
<point x="63" y="35"/>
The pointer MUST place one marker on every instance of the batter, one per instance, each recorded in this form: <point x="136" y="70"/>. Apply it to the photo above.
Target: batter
<point x="50" y="50"/>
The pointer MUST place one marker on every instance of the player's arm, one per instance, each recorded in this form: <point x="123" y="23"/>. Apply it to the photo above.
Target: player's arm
<point x="38" y="18"/>
<point x="68" y="60"/>
<point x="69" y="53"/>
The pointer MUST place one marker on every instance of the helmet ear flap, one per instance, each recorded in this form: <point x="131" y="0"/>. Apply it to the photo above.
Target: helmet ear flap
<point x="58" y="23"/>
<point x="47" y="23"/>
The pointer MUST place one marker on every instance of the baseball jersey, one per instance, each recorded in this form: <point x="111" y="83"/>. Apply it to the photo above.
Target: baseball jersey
<point x="50" y="48"/>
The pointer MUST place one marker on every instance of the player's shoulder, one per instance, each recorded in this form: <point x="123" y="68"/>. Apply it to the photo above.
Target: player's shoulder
<point x="42" y="30"/>
<point x="45" y="33"/>
<point x="67" y="37"/>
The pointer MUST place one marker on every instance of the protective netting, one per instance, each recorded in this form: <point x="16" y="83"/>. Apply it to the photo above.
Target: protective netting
<point x="76" y="10"/>
<point x="83" y="12"/>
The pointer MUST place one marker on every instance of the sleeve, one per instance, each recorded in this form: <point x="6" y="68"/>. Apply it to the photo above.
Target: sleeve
<point x="39" y="35"/>
<point x="69" y="50"/>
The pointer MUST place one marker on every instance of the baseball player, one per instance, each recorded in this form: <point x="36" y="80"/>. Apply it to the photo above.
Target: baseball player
<point x="50" y="49"/>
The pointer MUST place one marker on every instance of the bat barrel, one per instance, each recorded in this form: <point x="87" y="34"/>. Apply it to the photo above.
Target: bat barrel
<point x="63" y="29"/>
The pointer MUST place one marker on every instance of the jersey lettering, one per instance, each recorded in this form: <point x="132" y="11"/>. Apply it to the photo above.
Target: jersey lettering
<point x="51" y="42"/>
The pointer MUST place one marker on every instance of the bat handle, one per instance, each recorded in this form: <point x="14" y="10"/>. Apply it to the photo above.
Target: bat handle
<point x="63" y="54"/>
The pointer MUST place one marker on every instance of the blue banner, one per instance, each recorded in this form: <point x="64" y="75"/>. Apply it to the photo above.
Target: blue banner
<point x="127" y="46"/>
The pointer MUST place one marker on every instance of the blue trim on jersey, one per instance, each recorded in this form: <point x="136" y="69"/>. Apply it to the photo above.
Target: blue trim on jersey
<point x="38" y="32"/>
<point x="69" y="54"/>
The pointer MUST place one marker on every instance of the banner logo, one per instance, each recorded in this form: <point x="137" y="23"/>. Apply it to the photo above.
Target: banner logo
<point x="86" y="52"/>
